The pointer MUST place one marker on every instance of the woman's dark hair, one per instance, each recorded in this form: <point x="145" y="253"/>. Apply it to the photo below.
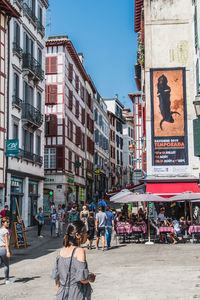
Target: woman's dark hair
<point x="70" y="236"/>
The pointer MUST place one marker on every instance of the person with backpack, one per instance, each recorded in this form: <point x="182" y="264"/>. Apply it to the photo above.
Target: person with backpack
<point x="74" y="214"/>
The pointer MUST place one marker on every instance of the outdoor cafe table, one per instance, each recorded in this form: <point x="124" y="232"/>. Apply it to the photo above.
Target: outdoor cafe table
<point x="192" y="230"/>
<point x="124" y="228"/>
<point x="165" y="229"/>
<point x="140" y="228"/>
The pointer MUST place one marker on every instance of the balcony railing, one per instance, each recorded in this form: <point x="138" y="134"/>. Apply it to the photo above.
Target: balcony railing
<point x="40" y="27"/>
<point x="138" y="71"/>
<point x="16" y="101"/>
<point x="30" y="156"/>
<point x="28" y="10"/>
<point x="31" y="114"/>
<point x="17" y="49"/>
<point x="30" y="63"/>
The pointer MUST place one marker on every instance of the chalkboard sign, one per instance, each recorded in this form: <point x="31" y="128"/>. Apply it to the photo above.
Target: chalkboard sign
<point x="20" y="238"/>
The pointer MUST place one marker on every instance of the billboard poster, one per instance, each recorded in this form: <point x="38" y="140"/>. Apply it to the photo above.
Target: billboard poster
<point x="169" y="119"/>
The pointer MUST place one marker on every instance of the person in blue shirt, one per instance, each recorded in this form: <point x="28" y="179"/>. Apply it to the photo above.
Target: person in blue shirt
<point x="102" y="204"/>
<point x="109" y="226"/>
<point x="40" y="219"/>
<point x="92" y="206"/>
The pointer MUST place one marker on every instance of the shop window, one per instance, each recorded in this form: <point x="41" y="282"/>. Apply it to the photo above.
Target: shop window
<point x="33" y="188"/>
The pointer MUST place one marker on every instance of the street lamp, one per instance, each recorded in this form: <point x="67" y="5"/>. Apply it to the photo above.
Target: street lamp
<point x="197" y="105"/>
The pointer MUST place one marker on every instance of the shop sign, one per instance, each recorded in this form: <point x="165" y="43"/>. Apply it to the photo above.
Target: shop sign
<point x="89" y="175"/>
<point x="12" y="148"/>
<point x="49" y="179"/>
<point x="70" y="180"/>
<point x="97" y="172"/>
<point x="77" y="164"/>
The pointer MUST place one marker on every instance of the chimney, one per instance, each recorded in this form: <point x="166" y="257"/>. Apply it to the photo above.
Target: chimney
<point x="81" y="57"/>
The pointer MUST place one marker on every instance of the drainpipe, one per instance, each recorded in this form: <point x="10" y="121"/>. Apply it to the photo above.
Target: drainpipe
<point x="8" y="106"/>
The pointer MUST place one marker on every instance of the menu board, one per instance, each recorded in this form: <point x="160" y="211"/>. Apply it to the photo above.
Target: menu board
<point x="20" y="238"/>
<point x="168" y="117"/>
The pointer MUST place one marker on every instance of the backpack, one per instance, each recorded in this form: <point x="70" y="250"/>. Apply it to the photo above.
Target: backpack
<point x="73" y="218"/>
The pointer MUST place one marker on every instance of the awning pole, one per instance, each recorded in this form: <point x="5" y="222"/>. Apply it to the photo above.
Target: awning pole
<point x="149" y="235"/>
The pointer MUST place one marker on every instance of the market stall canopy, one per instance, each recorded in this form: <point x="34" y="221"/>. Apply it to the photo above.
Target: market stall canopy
<point x="170" y="189"/>
<point x="187" y="196"/>
<point x="121" y="194"/>
<point x="146" y="197"/>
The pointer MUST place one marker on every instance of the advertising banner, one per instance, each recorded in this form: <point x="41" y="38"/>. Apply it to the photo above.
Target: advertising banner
<point x="12" y="148"/>
<point x="169" y="119"/>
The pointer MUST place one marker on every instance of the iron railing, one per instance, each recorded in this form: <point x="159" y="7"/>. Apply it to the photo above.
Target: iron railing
<point x="28" y="10"/>
<point x="17" y="48"/>
<point x="30" y="63"/>
<point x="40" y="27"/>
<point x="37" y="159"/>
<point x="32" y="114"/>
<point x="16" y="101"/>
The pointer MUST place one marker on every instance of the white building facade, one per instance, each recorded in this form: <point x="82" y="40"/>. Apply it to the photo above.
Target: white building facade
<point x="25" y="173"/>
<point x="116" y="107"/>
<point x="102" y="149"/>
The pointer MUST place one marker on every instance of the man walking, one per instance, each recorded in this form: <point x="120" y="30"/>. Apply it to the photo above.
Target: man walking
<point x="100" y="224"/>
<point x="109" y="226"/>
<point x="74" y="214"/>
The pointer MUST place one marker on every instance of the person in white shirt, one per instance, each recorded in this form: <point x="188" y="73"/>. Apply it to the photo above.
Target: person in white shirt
<point x="59" y="220"/>
<point x="4" y="248"/>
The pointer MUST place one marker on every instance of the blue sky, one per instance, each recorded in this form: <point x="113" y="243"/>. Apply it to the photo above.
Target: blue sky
<point x="103" y="30"/>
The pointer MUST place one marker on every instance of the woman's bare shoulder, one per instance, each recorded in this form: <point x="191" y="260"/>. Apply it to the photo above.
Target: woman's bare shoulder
<point x="80" y="254"/>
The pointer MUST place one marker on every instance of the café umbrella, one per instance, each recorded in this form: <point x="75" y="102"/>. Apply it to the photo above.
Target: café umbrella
<point x="123" y="193"/>
<point x="146" y="197"/>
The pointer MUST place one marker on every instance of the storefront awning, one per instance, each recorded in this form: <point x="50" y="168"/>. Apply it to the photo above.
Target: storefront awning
<point x="169" y="189"/>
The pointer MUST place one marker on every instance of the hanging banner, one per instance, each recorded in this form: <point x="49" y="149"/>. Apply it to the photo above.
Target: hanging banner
<point x="12" y="148"/>
<point x="169" y="121"/>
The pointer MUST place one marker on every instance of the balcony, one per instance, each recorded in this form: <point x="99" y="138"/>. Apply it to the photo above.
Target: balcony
<point x="29" y="12"/>
<point x="33" y="67"/>
<point x="31" y="116"/>
<point x="16" y="101"/>
<point x="30" y="156"/>
<point x="17" y="49"/>
<point x="138" y="71"/>
<point x="40" y="27"/>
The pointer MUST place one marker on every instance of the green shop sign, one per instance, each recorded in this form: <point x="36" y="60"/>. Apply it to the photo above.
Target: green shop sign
<point x="12" y="148"/>
<point x="70" y="180"/>
<point x="77" y="164"/>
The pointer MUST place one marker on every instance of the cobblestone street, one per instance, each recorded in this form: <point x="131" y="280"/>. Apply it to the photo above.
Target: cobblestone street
<point x="131" y="271"/>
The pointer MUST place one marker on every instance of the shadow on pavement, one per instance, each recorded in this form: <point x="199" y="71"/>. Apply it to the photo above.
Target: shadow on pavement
<point x="27" y="279"/>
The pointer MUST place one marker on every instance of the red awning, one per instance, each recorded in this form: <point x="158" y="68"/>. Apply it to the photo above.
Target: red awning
<point x="169" y="189"/>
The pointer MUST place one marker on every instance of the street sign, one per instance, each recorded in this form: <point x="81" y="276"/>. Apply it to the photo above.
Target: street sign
<point x="12" y="148"/>
<point x="77" y="164"/>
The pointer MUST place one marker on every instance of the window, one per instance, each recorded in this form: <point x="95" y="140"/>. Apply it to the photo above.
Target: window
<point x="82" y="92"/>
<point x="40" y="14"/>
<point x="83" y="116"/>
<point x="70" y="130"/>
<point x="51" y="94"/>
<point x="28" y="45"/>
<point x="70" y="160"/>
<point x="39" y="56"/>
<point x="50" y="158"/>
<point x="27" y="141"/>
<point x="77" y="83"/>
<point x="96" y="136"/>
<point x="77" y="109"/>
<point x="70" y="99"/>
<point x="70" y="72"/>
<point x="39" y="99"/>
<point x="96" y="115"/>
<point x="82" y="167"/>
<point x="15" y="131"/>
<point x="28" y="96"/>
<point x="16" y="34"/>
<point x="76" y="169"/>
<point x="51" y="65"/>
<point x="38" y="145"/>
<point x="83" y="141"/>
<point x="78" y="135"/>
<point x="51" y="125"/>
<point x="16" y="85"/>
<point x="129" y="131"/>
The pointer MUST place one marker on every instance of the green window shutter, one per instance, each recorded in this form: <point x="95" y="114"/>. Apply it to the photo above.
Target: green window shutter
<point x="196" y="134"/>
